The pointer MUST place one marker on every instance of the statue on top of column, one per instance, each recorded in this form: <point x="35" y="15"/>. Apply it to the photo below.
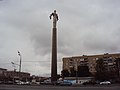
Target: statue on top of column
<point x="55" y="18"/>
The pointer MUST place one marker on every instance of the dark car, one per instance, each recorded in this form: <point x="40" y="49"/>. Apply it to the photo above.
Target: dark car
<point x="65" y="83"/>
<point x="46" y="83"/>
<point x="89" y="83"/>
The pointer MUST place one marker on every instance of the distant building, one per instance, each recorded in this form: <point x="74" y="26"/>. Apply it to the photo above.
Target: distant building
<point x="3" y="74"/>
<point x="13" y="75"/>
<point x="90" y="61"/>
<point x="23" y="75"/>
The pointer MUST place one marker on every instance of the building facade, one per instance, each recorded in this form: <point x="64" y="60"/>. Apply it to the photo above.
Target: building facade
<point x="3" y="74"/>
<point x="13" y="75"/>
<point x="90" y="61"/>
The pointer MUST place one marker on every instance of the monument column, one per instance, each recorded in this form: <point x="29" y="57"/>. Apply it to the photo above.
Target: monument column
<point x="54" y="48"/>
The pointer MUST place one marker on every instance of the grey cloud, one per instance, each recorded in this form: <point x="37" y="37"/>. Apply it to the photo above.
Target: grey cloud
<point x="84" y="27"/>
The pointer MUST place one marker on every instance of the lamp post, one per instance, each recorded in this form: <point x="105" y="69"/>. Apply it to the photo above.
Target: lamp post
<point x="19" y="66"/>
<point x="77" y="71"/>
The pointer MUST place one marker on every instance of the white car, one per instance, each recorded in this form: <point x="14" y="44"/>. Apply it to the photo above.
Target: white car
<point x="105" y="83"/>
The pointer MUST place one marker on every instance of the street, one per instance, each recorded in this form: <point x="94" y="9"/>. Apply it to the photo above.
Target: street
<point x="28" y="87"/>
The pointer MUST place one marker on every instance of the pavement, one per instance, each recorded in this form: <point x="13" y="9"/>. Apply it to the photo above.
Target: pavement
<point x="50" y="87"/>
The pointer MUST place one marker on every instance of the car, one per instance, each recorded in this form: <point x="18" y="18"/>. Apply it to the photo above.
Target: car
<point x="1" y="82"/>
<point x="89" y="83"/>
<point x="46" y="83"/>
<point x="9" y="82"/>
<point x="65" y="83"/>
<point x="105" y="83"/>
<point x="20" y="83"/>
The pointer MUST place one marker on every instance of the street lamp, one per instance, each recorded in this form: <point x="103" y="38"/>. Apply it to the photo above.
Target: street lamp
<point x="19" y="65"/>
<point x="77" y="71"/>
<point x="13" y="64"/>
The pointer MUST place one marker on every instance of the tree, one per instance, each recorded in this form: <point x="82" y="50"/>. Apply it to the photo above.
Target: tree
<point x="58" y="76"/>
<point x="101" y="73"/>
<point x="72" y="72"/>
<point x="83" y="71"/>
<point x="65" y="73"/>
<point x="118" y="67"/>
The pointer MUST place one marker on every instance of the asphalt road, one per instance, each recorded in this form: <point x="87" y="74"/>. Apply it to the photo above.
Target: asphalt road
<point x="25" y="87"/>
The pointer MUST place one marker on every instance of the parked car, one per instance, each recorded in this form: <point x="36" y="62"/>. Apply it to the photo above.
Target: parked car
<point x="65" y="83"/>
<point x="45" y="83"/>
<point x="27" y="83"/>
<point x="1" y="82"/>
<point x="105" y="83"/>
<point x="9" y="82"/>
<point x="89" y="83"/>
<point x="20" y="83"/>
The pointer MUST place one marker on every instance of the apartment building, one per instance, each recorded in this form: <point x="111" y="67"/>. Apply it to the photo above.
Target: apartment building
<point x="90" y="61"/>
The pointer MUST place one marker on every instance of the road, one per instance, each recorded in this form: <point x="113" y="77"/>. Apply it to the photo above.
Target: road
<point x="28" y="87"/>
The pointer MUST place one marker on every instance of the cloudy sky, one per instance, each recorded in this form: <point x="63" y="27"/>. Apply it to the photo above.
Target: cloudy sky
<point x="85" y="27"/>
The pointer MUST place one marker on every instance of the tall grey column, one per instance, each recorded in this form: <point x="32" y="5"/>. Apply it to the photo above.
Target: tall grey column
<point x="54" y="48"/>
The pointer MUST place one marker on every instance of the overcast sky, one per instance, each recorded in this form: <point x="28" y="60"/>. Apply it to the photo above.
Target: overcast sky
<point x="85" y="27"/>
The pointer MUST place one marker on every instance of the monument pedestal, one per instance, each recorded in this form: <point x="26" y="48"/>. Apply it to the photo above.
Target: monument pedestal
<point x="54" y="56"/>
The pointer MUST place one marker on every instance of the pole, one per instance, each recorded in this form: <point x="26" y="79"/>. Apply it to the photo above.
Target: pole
<point x="118" y="68"/>
<point x="19" y="66"/>
<point x="54" y="56"/>
<point x="77" y="72"/>
<point x="13" y="72"/>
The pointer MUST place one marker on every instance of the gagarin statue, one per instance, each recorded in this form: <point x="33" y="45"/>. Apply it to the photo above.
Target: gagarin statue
<point x="55" y="18"/>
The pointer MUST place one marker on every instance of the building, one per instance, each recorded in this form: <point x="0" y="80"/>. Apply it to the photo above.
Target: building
<point x="24" y="76"/>
<point x="3" y="71"/>
<point x="3" y="74"/>
<point x="90" y="61"/>
<point x="13" y="75"/>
